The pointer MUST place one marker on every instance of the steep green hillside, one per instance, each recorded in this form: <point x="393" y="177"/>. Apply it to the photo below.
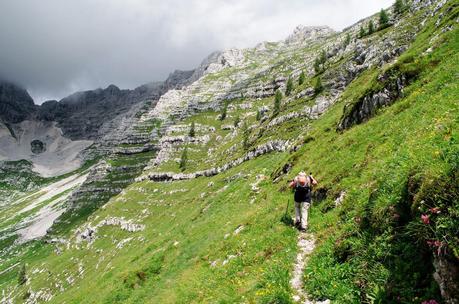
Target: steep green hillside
<point x="213" y="230"/>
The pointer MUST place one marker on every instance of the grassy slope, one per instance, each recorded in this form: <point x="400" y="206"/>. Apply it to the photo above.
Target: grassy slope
<point x="364" y="251"/>
<point x="372" y="247"/>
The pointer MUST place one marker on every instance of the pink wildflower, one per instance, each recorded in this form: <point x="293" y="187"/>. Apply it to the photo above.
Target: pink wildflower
<point x="429" y="302"/>
<point x="435" y="210"/>
<point x="425" y="219"/>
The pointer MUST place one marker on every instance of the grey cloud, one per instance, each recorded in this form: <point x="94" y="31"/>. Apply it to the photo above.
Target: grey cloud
<point x="55" y="47"/>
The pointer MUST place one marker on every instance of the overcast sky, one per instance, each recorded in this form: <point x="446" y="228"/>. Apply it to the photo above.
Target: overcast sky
<point x="56" y="47"/>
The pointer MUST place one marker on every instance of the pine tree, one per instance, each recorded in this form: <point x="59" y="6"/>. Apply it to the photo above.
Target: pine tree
<point x="277" y="102"/>
<point x="245" y="136"/>
<point x="224" y="111"/>
<point x="22" y="276"/>
<point x="323" y="57"/>
<point x="399" y="7"/>
<point x="383" y="19"/>
<point x="237" y="120"/>
<point x="318" y="86"/>
<point x="347" y="40"/>
<point x="289" y="87"/>
<point x="317" y="65"/>
<point x="183" y="159"/>
<point x="361" y="32"/>
<point x="258" y="115"/>
<point x="301" y="78"/>
<point x="319" y="62"/>
<point x="371" y="27"/>
<point x="192" y="132"/>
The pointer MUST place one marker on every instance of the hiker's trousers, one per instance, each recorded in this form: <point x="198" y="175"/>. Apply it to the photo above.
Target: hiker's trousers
<point x="301" y="214"/>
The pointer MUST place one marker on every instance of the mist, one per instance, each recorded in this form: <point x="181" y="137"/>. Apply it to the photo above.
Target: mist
<point x="54" y="48"/>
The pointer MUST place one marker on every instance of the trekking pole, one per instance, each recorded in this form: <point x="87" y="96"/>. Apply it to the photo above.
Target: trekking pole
<point x="286" y="209"/>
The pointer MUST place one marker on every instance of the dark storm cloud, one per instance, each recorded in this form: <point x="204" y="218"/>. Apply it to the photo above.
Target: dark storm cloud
<point x="55" y="47"/>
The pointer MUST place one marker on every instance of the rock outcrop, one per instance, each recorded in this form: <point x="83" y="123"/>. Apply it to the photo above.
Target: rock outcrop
<point x="367" y="106"/>
<point x="16" y="104"/>
<point x="270" y="146"/>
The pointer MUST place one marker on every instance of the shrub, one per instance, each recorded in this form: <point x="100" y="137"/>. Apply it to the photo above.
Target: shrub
<point x="289" y="87"/>
<point x="347" y="40"/>
<point x="22" y="276"/>
<point x="318" y="87"/>
<point x="258" y="115"/>
<point x="224" y="111"/>
<point x="192" y="132"/>
<point x="245" y="136"/>
<point x="361" y="32"/>
<point x="371" y="27"/>
<point x="237" y="120"/>
<point x="383" y="19"/>
<point x="319" y="62"/>
<point x="317" y="65"/>
<point x="277" y="102"/>
<point x="301" y="78"/>
<point x="183" y="159"/>
<point x="399" y="7"/>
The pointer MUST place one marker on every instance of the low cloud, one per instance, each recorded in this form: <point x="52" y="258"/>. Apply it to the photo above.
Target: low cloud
<point x="55" y="47"/>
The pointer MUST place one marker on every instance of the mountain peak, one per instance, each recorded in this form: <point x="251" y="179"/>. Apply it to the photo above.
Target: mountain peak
<point x="302" y="33"/>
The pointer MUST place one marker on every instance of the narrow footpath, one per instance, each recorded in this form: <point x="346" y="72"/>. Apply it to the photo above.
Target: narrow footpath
<point x="306" y="244"/>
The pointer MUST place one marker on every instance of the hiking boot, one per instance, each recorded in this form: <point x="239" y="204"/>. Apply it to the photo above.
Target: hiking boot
<point x="302" y="229"/>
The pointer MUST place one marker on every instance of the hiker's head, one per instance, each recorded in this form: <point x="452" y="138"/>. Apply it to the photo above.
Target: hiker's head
<point x="301" y="178"/>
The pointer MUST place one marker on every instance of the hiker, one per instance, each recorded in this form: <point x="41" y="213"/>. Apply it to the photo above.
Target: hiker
<point x="302" y="184"/>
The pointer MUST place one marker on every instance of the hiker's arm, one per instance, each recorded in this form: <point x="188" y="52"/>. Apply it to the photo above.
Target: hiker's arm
<point x="313" y="180"/>
<point x="292" y="184"/>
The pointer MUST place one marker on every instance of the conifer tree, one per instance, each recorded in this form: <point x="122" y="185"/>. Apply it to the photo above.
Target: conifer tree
<point x="224" y="111"/>
<point x="258" y="115"/>
<point x="245" y="135"/>
<point x="371" y="27"/>
<point x="399" y="7"/>
<point x="347" y="40"/>
<point x="383" y="19"/>
<point x="361" y="32"/>
<point x="318" y="87"/>
<point x="277" y="102"/>
<point x="301" y="78"/>
<point x="237" y="120"/>
<point x="22" y="276"/>
<point x="317" y="65"/>
<point x="289" y="87"/>
<point x="192" y="132"/>
<point x="183" y="159"/>
<point x="323" y="57"/>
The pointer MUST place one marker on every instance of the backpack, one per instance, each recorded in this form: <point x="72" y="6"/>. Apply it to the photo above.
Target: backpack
<point x="303" y="193"/>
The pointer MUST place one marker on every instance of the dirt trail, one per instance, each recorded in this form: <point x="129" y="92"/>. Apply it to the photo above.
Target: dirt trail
<point x="306" y="244"/>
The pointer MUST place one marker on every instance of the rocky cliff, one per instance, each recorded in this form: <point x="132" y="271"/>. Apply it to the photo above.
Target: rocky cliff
<point x="16" y="104"/>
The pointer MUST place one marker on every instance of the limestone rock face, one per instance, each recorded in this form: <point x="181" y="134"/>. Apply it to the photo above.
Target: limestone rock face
<point x="367" y="106"/>
<point x="16" y="104"/>
<point x="303" y="33"/>
<point x="82" y="114"/>
<point x="217" y="61"/>
<point x="447" y="276"/>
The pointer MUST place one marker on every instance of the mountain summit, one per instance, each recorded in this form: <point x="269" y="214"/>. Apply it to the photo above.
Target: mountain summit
<point x="303" y="33"/>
